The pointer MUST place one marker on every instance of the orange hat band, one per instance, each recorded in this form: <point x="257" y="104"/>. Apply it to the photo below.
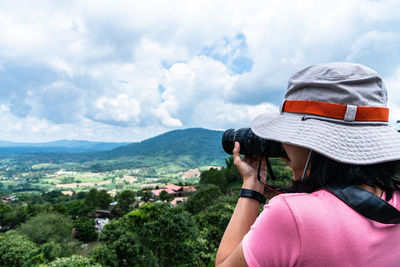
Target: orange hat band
<point x="336" y="111"/>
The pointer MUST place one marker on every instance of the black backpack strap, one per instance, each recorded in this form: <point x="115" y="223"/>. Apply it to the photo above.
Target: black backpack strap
<point x="366" y="203"/>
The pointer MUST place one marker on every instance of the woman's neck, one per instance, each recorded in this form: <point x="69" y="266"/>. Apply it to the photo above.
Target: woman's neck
<point x="374" y="190"/>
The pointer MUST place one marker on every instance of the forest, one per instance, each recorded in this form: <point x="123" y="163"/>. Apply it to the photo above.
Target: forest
<point x="52" y="229"/>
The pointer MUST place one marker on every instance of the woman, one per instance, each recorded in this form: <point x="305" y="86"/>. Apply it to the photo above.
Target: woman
<point x="333" y="124"/>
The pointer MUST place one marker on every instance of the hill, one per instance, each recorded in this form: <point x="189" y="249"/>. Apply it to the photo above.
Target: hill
<point x="70" y="146"/>
<point x="172" y="151"/>
<point x="194" y="141"/>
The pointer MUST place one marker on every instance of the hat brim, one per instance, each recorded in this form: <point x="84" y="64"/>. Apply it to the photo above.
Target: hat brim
<point x="352" y="144"/>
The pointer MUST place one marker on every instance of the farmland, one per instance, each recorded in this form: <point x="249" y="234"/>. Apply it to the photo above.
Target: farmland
<point x="39" y="180"/>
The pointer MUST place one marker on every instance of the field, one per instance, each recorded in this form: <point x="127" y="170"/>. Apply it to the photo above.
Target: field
<point x="46" y="177"/>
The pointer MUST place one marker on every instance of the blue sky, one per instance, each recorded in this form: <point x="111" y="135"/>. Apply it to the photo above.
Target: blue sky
<point x="129" y="70"/>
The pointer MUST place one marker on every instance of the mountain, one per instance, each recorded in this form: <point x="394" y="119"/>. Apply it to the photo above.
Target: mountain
<point x="189" y="148"/>
<point x="197" y="141"/>
<point x="174" y="150"/>
<point x="71" y="146"/>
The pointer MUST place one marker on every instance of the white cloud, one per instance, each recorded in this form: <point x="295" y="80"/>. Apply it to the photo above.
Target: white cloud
<point x="393" y="88"/>
<point x="189" y="85"/>
<point x="126" y="70"/>
<point x="121" y="109"/>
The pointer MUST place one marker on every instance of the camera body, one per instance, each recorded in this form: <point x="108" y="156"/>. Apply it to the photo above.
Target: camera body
<point x="251" y="144"/>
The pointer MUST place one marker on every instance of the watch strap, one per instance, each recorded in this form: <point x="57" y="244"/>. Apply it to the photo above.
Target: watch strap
<point x="252" y="194"/>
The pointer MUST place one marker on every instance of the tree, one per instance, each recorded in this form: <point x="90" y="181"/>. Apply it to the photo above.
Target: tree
<point x="59" y="208"/>
<point x="54" y="197"/>
<point x="164" y="196"/>
<point x="145" y="196"/>
<point x="85" y="229"/>
<point x="95" y="200"/>
<point x="74" y="260"/>
<point x="119" y="236"/>
<point x="44" y="228"/>
<point x="204" y="197"/>
<point x="104" y="255"/>
<point x="15" y="248"/>
<point x="213" y="222"/>
<point x="214" y="176"/>
<point x="125" y="200"/>
<point x="103" y="199"/>
<point x="51" y="251"/>
<point x="74" y="208"/>
<point x="11" y="217"/>
<point x="153" y="234"/>
<point x="33" y="209"/>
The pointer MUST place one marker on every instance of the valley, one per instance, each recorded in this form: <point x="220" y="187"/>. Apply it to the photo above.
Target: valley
<point x="176" y="157"/>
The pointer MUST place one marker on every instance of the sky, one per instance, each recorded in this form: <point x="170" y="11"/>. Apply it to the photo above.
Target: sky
<point x="129" y="70"/>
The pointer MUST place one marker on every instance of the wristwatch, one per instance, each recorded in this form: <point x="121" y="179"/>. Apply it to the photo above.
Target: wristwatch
<point x="252" y="194"/>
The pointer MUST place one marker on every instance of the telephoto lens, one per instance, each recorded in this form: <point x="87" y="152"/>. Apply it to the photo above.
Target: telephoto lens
<point x="251" y="144"/>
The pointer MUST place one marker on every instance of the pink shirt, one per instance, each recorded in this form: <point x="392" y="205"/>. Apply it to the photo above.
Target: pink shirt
<point x="318" y="229"/>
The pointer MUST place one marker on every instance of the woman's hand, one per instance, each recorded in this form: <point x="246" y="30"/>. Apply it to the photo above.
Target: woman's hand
<point x="247" y="168"/>
<point x="230" y="251"/>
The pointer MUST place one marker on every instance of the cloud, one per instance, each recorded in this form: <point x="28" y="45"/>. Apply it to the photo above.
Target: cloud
<point x="377" y="49"/>
<point x="121" y="109"/>
<point x="127" y="70"/>
<point x="393" y="87"/>
<point x="189" y="85"/>
<point x="60" y="102"/>
<point x="232" y="52"/>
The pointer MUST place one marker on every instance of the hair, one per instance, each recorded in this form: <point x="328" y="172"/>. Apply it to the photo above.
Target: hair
<point x="325" y="171"/>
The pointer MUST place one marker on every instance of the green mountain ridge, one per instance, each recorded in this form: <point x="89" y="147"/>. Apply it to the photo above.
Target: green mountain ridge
<point x="175" y="150"/>
<point x="71" y="146"/>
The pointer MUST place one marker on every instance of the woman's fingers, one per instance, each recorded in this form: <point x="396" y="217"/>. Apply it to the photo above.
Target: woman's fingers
<point x="235" y="152"/>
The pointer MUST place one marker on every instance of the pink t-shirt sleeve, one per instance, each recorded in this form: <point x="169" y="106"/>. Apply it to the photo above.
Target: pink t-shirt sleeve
<point x="274" y="238"/>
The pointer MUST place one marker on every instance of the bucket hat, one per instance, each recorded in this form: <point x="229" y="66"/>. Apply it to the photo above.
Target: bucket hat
<point x="338" y="110"/>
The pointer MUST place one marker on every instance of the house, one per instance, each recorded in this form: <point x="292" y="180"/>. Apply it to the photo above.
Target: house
<point x="67" y="193"/>
<point x="174" y="190"/>
<point x="189" y="189"/>
<point x="156" y="192"/>
<point x="102" y="213"/>
<point x="8" y="199"/>
<point x="178" y="200"/>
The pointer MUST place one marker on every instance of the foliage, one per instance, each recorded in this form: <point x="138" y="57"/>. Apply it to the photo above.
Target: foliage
<point x="51" y="251"/>
<point x="74" y="260"/>
<point x="48" y="227"/>
<point x="221" y="178"/>
<point x="95" y="200"/>
<point x="98" y="199"/>
<point x="104" y="255"/>
<point x="85" y="229"/>
<point x="213" y="221"/>
<point x="119" y="236"/>
<point x="59" y="208"/>
<point x="154" y="234"/>
<point x="145" y="195"/>
<point x="204" y="197"/>
<point x="11" y="217"/>
<point x="54" y="197"/>
<point x="74" y="207"/>
<point x="125" y="200"/>
<point x="15" y="248"/>
<point x="164" y="196"/>
<point x="215" y="177"/>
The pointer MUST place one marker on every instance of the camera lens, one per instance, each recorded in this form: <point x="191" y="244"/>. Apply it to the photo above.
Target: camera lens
<point x="250" y="144"/>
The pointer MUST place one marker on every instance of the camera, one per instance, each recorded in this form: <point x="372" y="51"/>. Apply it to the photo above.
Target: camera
<point x="251" y="144"/>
